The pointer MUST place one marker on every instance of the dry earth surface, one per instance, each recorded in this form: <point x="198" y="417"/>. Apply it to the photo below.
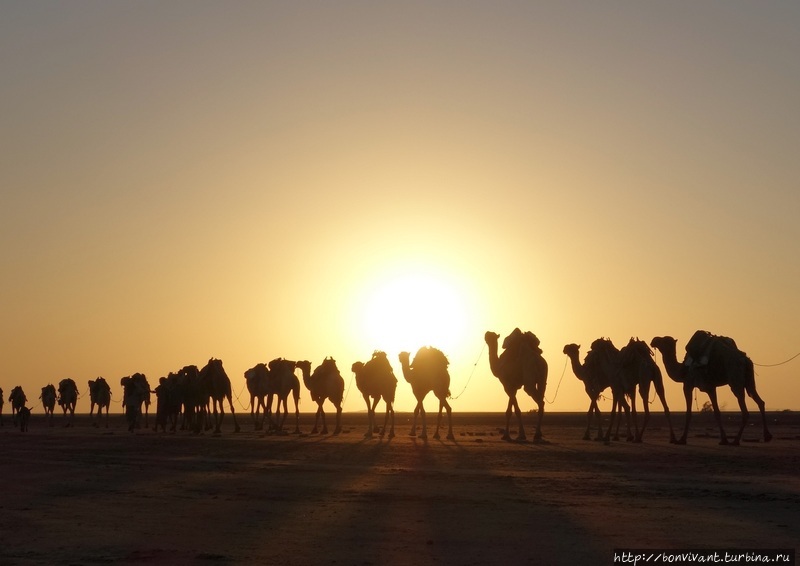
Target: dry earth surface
<point x="89" y="495"/>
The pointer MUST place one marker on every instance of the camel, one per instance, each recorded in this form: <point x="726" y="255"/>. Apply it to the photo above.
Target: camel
<point x="219" y="388"/>
<point x="135" y="393"/>
<point x="639" y="370"/>
<point x="521" y="365"/>
<point x="169" y="400"/>
<point x="257" y="380"/>
<point x="428" y="372"/>
<point x="195" y="399"/>
<point x="325" y="383"/>
<point x="718" y="362"/>
<point x="601" y="369"/>
<point x="100" y="395"/>
<point x="48" y="398"/>
<point x="67" y="398"/>
<point x="17" y="399"/>
<point x="376" y="379"/>
<point x="282" y="381"/>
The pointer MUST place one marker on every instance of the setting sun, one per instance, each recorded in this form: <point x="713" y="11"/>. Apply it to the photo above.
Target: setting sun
<point x="403" y="311"/>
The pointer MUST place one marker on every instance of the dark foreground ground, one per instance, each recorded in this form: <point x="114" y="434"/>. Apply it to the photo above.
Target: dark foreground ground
<point x="104" y="496"/>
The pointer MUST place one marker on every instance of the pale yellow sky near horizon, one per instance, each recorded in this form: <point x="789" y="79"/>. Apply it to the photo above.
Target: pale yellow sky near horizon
<point x="251" y="180"/>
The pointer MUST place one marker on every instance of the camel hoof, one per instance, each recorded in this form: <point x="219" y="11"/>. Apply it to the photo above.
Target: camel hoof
<point x="436" y="436"/>
<point x="337" y="431"/>
<point x="391" y="434"/>
<point x="723" y="442"/>
<point x="767" y="437"/>
<point x="412" y="433"/>
<point x="506" y="436"/>
<point x="522" y="438"/>
<point x="681" y="442"/>
<point x="587" y="436"/>
<point x="237" y="429"/>
<point x="450" y="436"/>
<point x="423" y="436"/>
<point x="324" y="431"/>
<point x="314" y="430"/>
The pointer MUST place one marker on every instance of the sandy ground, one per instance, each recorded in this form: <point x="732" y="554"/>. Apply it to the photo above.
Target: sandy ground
<point x="105" y="496"/>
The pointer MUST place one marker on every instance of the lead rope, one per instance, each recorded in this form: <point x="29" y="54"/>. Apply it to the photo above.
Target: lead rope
<point x="474" y="366"/>
<point x="563" y="371"/>
<point x="775" y="365"/>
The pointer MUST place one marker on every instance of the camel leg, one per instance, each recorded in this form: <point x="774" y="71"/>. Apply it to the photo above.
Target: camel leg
<point x="233" y="414"/>
<point x="444" y="404"/>
<point x="297" y="412"/>
<point x="723" y="439"/>
<point x="540" y="410"/>
<point x="645" y="394"/>
<point x="751" y="390"/>
<point x="630" y="414"/>
<point x="660" y="392"/>
<point x="598" y="419"/>
<point x="687" y="394"/>
<point x="338" y="428"/>
<point x="587" y="435"/>
<point x="521" y="435"/>
<point x="745" y="417"/>
<point x="607" y="438"/>
<point x="506" y="435"/>
<point x="424" y="434"/>
<point x="389" y="412"/>
<point x="414" y="420"/>
<point x="370" y="416"/>
<point x="320" y="414"/>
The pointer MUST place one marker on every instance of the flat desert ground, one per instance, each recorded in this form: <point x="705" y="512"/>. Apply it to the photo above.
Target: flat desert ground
<point x="86" y="495"/>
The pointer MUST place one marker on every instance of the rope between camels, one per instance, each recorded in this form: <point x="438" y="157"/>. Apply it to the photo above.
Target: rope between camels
<point x="563" y="371"/>
<point x="346" y="393"/>
<point x="779" y="364"/>
<point x="474" y="366"/>
<point x="240" y="401"/>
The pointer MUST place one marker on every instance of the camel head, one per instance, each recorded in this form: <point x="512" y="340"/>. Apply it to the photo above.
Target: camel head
<point x="357" y="367"/>
<point x="404" y="358"/>
<point x="491" y="338"/>
<point x="304" y="366"/>
<point x="664" y="343"/>
<point x="572" y="350"/>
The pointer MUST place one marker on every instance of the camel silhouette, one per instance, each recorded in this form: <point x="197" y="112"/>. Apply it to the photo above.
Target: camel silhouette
<point x="135" y="394"/>
<point x="325" y="383"/>
<point x="282" y="381"/>
<point x="100" y="395"/>
<point x="428" y="372"/>
<point x="67" y="398"/>
<point x="639" y="371"/>
<point x="600" y="370"/>
<point x="257" y="381"/>
<point x="17" y="399"/>
<point x="195" y="398"/>
<point x="48" y="398"/>
<point x="717" y="361"/>
<point x="375" y="379"/>
<point x="218" y="385"/>
<point x="521" y="365"/>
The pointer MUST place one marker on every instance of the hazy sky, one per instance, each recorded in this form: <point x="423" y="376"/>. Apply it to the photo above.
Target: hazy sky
<point x="249" y="180"/>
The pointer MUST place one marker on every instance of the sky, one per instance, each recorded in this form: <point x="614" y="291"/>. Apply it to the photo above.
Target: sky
<point x="251" y="180"/>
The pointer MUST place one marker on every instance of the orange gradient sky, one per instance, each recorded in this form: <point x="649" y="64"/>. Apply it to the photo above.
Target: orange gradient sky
<point x="251" y="180"/>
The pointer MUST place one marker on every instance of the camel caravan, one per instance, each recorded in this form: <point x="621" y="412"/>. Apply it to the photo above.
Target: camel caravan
<point x="194" y="399"/>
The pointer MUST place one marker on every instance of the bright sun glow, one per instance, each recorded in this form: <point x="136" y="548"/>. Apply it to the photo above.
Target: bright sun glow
<point x="416" y="309"/>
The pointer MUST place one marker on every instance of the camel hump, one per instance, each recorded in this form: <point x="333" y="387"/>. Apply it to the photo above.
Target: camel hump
<point x="429" y="357"/>
<point x="698" y="348"/>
